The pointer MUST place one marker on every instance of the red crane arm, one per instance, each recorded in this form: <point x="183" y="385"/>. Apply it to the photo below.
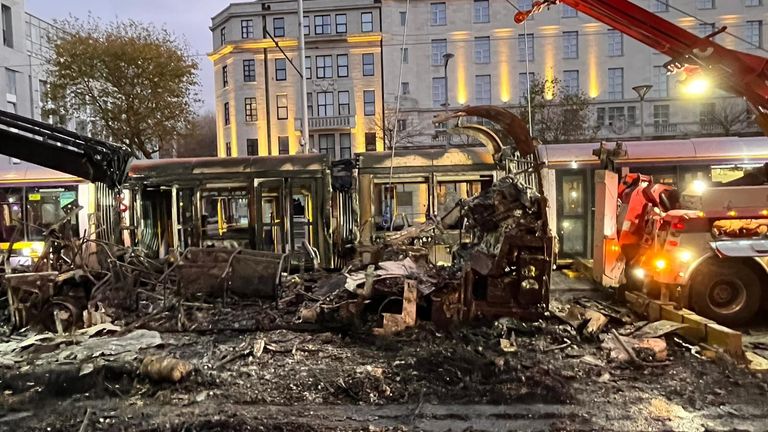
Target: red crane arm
<point x="734" y="71"/>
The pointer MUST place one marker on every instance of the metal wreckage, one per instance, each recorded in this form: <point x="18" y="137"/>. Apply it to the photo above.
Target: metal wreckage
<point x="498" y="263"/>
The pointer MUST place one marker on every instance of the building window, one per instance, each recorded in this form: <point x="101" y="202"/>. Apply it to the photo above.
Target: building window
<point x="43" y="96"/>
<point x="370" y="141"/>
<point x="402" y="124"/>
<point x="660" y="82"/>
<point x="660" y="114"/>
<point x="438" y="15"/>
<point x="439" y="49"/>
<point x="308" y="67"/>
<point x="569" y="12"/>
<point x="341" y="23"/>
<point x="325" y="104"/>
<point x="525" y="45"/>
<point x="482" y="12"/>
<point x="755" y="34"/>
<point x="705" y="4"/>
<point x="249" y="70"/>
<point x="224" y="76"/>
<point x="570" y="45"/>
<point x="7" y="17"/>
<point x="615" y="114"/>
<point x="571" y="81"/>
<point x="615" y="43"/>
<point x="616" y="83"/>
<point x="342" y="66"/>
<point x="438" y="91"/>
<point x="324" y="66"/>
<point x="305" y="25"/>
<point x="482" y="50"/>
<point x="228" y="149"/>
<point x="282" y="106"/>
<point x="327" y="144"/>
<point x="310" y="105"/>
<point x="405" y="88"/>
<point x="750" y="3"/>
<point x="344" y="103"/>
<point x="246" y="29"/>
<point x="282" y="145"/>
<point x="707" y="113"/>
<point x="368" y="67"/>
<point x="226" y="114"/>
<point x="366" y="22"/>
<point x="523" y="81"/>
<point x="705" y="28"/>
<point x="278" y="27"/>
<point x="369" y="102"/>
<point x="10" y="80"/>
<point x="403" y="18"/>
<point x="632" y="115"/>
<point x="280" y="69"/>
<point x="251" y="113"/>
<point x="659" y="6"/>
<point x="223" y="35"/>
<point x="404" y="55"/>
<point x="252" y="147"/>
<point x="525" y="5"/>
<point x="483" y="89"/>
<point x="345" y="146"/>
<point x="322" y="24"/>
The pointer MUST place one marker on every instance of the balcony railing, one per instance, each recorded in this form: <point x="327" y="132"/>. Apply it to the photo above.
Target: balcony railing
<point x="335" y="122"/>
<point x="665" y="128"/>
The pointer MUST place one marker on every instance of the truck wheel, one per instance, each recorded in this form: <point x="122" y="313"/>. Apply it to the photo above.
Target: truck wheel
<point x="725" y="292"/>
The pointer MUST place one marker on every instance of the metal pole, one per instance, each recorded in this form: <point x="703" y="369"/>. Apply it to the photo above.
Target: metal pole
<point x="642" y="118"/>
<point x="445" y="77"/>
<point x="304" y="107"/>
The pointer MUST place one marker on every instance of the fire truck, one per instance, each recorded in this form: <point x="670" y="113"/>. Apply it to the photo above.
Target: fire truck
<point x="703" y="248"/>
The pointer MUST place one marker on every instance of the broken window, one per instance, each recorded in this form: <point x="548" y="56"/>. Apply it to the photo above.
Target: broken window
<point x="225" y="213"/>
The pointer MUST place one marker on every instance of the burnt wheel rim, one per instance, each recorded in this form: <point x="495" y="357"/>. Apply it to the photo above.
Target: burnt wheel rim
<point x="727" y="295"/>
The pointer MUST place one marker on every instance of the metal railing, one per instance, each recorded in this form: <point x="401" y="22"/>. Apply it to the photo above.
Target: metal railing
<point x="334" y="122"/>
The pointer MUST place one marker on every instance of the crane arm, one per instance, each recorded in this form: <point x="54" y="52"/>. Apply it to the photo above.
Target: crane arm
<point x="737" y="72"/>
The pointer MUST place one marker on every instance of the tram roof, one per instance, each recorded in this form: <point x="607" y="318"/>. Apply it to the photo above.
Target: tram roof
<point x="412" y="160"/>
<point x="196" y="169"/>
<point x="20" y="173"/>
<point x="694" y="151"/>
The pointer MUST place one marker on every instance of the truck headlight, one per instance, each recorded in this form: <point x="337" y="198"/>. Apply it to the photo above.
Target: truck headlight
<point x="638" y="272"/>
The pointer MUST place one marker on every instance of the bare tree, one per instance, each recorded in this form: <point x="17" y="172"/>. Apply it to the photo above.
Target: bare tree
<point x="408" y="132"/>
<point x="558" y="115"/>
<point x="199" y="140"/>
<point x="726" y="116"/>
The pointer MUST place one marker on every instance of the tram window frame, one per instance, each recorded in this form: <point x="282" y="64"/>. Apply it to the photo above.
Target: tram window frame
<point x="7" y="227"/>
<point x="237" y="220"/>
<point x="49" y="200"/>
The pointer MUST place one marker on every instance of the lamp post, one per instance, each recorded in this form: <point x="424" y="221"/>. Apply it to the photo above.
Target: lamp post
<point x="642" y="91"/>
<point x="446" y="58"/>
<point x="303" y="84"/>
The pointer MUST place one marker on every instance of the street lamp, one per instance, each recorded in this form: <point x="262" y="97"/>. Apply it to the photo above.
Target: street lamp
<point x="446" y="58"/>
<point x="642" y="91"/>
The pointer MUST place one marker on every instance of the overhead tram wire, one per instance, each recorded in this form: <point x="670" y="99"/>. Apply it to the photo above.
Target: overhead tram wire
<point x="397" y="99"/>
<point x="527" y="71"/>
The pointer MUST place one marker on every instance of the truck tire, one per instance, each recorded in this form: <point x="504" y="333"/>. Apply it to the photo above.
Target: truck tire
<point x="726" y="292"/>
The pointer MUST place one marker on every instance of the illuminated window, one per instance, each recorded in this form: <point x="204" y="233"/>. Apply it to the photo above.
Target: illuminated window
<point x="754" y="33"/>
<point x="324" y="66"/>
<point x="282" y="106"/>
<point x="278" y="27"/>
<point x="341" y="23"/>
<point x="369" y="102"/>
<point x="483" y="89"/>
<point x="570" y="45"/>
<point x="280" y="69"/>
<point x="251" y="113"/>
<point x="482" y="12"/>
<point x="322" y="24"/>
<point x="226" y="114"/>
<point x="438" y="15"/>
<point x="368" y="67"/>
<point x="660" y="82"/>
<point x="366" y="24"/>
<point x="615" y="43"/>
<point x="342" y="66"/>
<point x="439" y="49"/>
<point x="616" y="83"/>
<point x="246" y="29"/>
<point x="659" y="6"/>
<point x="482" y="50"/>
<point x="438" y="91"/>
<point x="571" y="81"/>
<point x="249" y="70"/>
<point x="569" y="12"/>
<point x="325" y="104"/>
<point x="705" y="4"/>
<point x="525" y="46"/>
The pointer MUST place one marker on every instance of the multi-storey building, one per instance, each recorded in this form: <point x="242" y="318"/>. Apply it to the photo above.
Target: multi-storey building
<point x="489" y="57"/>
<point x="258" y="96"/>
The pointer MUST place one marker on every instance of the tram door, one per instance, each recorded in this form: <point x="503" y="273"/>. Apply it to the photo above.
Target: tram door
<point x="271" y="226"/>
<point x="573" y="218"/>
<point x="302" y="216"/>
